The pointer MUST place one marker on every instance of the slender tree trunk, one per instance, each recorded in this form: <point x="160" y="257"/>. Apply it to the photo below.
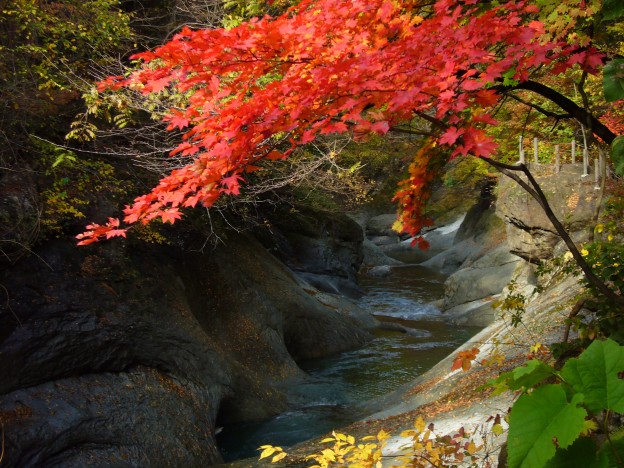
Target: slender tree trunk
<point x="533" y="189"/>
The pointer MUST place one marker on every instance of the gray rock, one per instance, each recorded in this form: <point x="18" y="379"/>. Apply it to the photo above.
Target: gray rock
<point x="317" y="243"/>
<point x="530" y="233"/>
<point x="485" y="277"/>
<point x="381" y="225"/>
<point x="374" y="256"/>
<point x="384" y="240"/>
<point x="477" y="221"/>
<point x="479" y="313"/>
<point x="380" y="271"/>
<point x="440" y="239"/>
<point x="19" y="214"/>
<point x="449" y="261"/>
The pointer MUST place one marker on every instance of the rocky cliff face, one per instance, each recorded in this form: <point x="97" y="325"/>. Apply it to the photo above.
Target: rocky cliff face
<point x="323" y="248"/>
<point x="113" y="356"/>
<point x="503" y="237"/>
<point x="572" y="197"/>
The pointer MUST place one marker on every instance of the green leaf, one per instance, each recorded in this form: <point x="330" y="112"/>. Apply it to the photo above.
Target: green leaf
<point x="617" y="155"/>
<point x="537" y="419"/>
<point x="595" y="374"/>
<point x="613" y="80"/>
<point x="614" y="449"/>
<point x="527" y="376"/>
<point x="582" y="453"/>
<point x="612" y="9"/>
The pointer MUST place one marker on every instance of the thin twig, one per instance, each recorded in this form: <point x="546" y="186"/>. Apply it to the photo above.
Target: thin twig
<point x="8" y="302"/>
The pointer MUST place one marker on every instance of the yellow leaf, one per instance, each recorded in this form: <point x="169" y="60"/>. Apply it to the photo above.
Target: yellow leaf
<point x="267" y="452"/>
<point x="329" y="454"/>
<point x="497" y="429"/>
<point x="589" y="427"/>
<point x="420" y="424"/>
<point x="397" y="226"/>
<point x="278" y="457"/>
<point x="536" y="347"/>
<point x="382" y="435"/>
<point x="350" y="440"/>
<point x="328" y="439"/>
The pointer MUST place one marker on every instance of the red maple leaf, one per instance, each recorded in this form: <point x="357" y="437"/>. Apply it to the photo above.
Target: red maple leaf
<point x="333" y="66"/>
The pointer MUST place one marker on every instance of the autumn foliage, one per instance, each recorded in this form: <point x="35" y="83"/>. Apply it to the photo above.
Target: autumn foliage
<point x="256" y="92"/>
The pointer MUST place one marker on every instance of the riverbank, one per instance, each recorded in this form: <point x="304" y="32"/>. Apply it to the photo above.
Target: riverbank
<point x="455" y="399"/>
<point x="412" y="338"/>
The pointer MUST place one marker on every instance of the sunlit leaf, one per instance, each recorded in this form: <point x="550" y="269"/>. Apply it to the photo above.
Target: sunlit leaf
<point x="539" y="419"/>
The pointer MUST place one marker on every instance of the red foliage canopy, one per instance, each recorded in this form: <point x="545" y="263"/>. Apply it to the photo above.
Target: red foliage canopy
<point x="261" y="89"/>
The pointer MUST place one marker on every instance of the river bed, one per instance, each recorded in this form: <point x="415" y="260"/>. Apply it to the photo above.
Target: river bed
<point x="340" y="384"/>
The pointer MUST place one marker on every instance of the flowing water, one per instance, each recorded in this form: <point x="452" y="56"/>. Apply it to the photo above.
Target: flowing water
<point x="329" y="399"/>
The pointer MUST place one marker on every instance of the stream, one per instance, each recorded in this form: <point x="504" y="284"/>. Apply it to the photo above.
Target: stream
<point x="340" y="383"/>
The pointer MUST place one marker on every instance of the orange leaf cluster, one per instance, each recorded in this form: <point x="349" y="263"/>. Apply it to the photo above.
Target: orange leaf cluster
<point x="464" y="359"/>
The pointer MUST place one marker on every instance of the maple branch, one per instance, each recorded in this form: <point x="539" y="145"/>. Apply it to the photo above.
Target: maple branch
<point x="534" y="189"/>
<point x="575" y="111"/>
<point x="540" y="109"/>
<point x="437" y="122"/>
<point x="409" y="131"/>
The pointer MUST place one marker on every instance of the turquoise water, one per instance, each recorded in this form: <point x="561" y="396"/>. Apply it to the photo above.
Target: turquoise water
<point x="338" y="384"/>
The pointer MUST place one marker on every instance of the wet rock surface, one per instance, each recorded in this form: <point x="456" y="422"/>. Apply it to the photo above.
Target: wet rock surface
<point x="322" y="247"/>
<point x="119" y="356"/>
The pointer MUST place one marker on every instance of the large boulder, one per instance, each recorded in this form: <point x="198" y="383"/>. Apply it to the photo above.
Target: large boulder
<point x="572" y="197"/>
<point x="375" y="256"/>
<point x="473" y="287"/>
<point x="381" y="225"/>
<point x="114" y="356"/>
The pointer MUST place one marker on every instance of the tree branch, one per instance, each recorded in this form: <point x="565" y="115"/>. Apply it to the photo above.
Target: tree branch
<point x="540" y="109"/>
<point x="569" y="106"/>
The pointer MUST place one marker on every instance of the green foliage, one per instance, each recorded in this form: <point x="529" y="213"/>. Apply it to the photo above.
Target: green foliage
<point x="613" y="80"/>
<point x="242" y="10"/>
<point x="536" y="419"/>
<point x="73" y="185"/>
<point x="522" y="378"/>
<point x="556" y="418"/>
<point x="594" y="374"/>
<point x="606" y="258"/>
<point x="617" y="155"/>
<point x="612" y="9"/>
<point x="513" y="303"/>
<point x="46" y="47"/>
<point x="583" y="452"/>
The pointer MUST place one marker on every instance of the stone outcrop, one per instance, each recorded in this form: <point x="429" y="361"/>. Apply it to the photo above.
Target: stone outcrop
<point x="572" y="197"/>
<point x="116" y="356"/>
<point x="323" y="248"/>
